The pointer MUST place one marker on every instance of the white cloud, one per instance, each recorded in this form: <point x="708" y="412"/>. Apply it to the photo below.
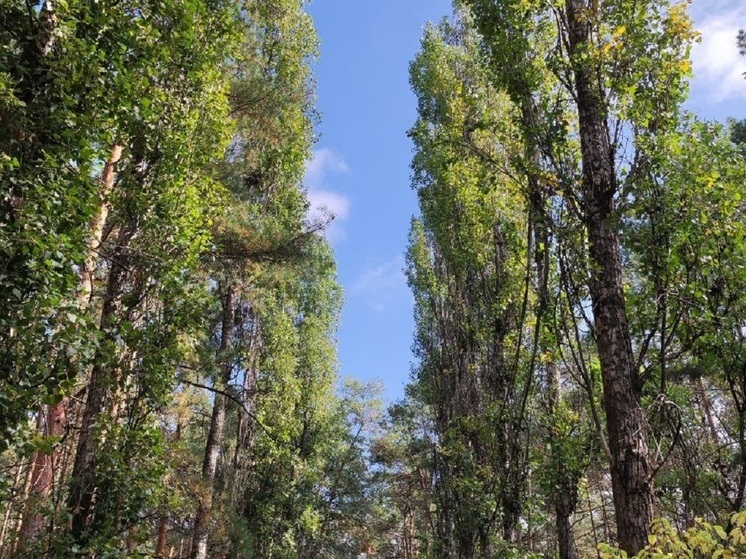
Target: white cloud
<point x="718" y="67"/>
<point x="326" y="203"/>
<point x="323" y="162"/>
<point x="335" y="203"/>
<point x="381" y="285"/>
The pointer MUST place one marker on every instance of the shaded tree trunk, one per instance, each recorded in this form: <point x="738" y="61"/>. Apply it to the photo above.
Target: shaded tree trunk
<point x="52" y="423"/>
<point x="564" y="507"/>
<point x="215" y="436"/>
<point x="565" y="498"/>
<point x="162" y="541"/>
<point x="630" y="469"/>
<point x="81" y="501"/>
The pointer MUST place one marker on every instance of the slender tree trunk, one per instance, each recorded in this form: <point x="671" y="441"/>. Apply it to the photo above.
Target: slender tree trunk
<point x="6" y="534"/>
<point x="246" y="428"/>
<point x="564" y="509"/>
<point x="566" y="487"/>
<point x="96" y="226"/>
<point x="630" y="469"/>
<point x="215" y="436"/>
<point x="161" y="544"/>
<point x="565" y="496"/>
<point x="81" y="501"/>
<point x="162" y="541"/>
<point x="48" y="23"/>
<point x="704" y="403"/>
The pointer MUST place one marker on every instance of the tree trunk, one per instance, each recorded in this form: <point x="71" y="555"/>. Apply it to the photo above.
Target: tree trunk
<point x="566" y="486"/>
<point x="564" y="507"/>
<point x="96" y="226"/>
<point x="246" y="428"/>
<point x="6" y="534"/>
<point x="215" y="436"/>
<point x="630" y="469"/>
<point x="81" y="501"/>
<point x="565" y="496"/>
<point x="162" y="541"/>
<point x="48" y="23"/>
<point x="52" y="423"/>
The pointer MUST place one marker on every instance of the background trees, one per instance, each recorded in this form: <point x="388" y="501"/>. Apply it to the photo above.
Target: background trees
<point x="465" y="268"/>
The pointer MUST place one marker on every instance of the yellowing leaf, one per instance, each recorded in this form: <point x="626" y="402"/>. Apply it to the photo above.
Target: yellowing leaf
<point x="720" y="532"/>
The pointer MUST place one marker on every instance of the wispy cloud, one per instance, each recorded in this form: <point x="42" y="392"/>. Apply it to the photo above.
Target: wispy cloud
<point x="324" y="161"/>
<point x="382" y="285"/>
<point x="718" y="68"/>
<point x="326" y="203"/>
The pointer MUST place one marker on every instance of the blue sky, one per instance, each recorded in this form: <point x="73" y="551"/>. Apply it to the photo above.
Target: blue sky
<point x="360" y="167"/>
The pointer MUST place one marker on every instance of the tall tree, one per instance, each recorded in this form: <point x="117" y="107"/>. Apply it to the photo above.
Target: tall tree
<point x="597" y="54"/>
<point x="472" y="295"/>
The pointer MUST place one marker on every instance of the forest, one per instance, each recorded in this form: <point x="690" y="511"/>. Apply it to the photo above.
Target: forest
<point x="169" y="306"/>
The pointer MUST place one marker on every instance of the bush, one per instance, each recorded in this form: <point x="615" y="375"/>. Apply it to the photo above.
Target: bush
<point x="702" y="541"/>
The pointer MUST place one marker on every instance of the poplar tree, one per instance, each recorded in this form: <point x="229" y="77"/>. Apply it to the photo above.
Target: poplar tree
<point x="620" y="65"/>
<point x="472" y="296"/>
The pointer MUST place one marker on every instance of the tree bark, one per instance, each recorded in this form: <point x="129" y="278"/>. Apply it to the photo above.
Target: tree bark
<point x="48" y="24"/>
<point x="215" y="436"/>
<point x="162" y="541"/>
<point x="81" y="501"/>
<point x="565" y="532"/>
<point x="52" y="423"/>
<point x="630" y="469"/>
<point x="96" y="226"/>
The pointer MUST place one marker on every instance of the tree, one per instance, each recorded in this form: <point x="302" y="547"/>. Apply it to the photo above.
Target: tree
<point x="600" y="56"/>
<point x="466" y="267"/>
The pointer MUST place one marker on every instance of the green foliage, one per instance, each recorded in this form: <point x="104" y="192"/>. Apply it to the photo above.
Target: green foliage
<point x="702" y="541"/>
<point x="109" y="77"/>
<point x="282" y="505"/>
<point x="466" y="269"/>
<point x="676" y="191"/>
<point x="212" y="105"/>
<point x="738" y="134"/>
<point x="173" y="84"/>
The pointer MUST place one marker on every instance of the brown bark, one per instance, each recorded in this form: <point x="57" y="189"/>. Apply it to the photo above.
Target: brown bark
<point x="215" y="436"/>
<point x="162" y="541"/>
<point x="52" y="423"/>
<point x="81" y="501"/>
<point x="630" y="469"/>
<point x="565" y="532"/>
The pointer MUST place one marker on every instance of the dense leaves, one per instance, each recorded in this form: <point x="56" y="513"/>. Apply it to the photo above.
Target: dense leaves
<point x="152" y="154"/>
